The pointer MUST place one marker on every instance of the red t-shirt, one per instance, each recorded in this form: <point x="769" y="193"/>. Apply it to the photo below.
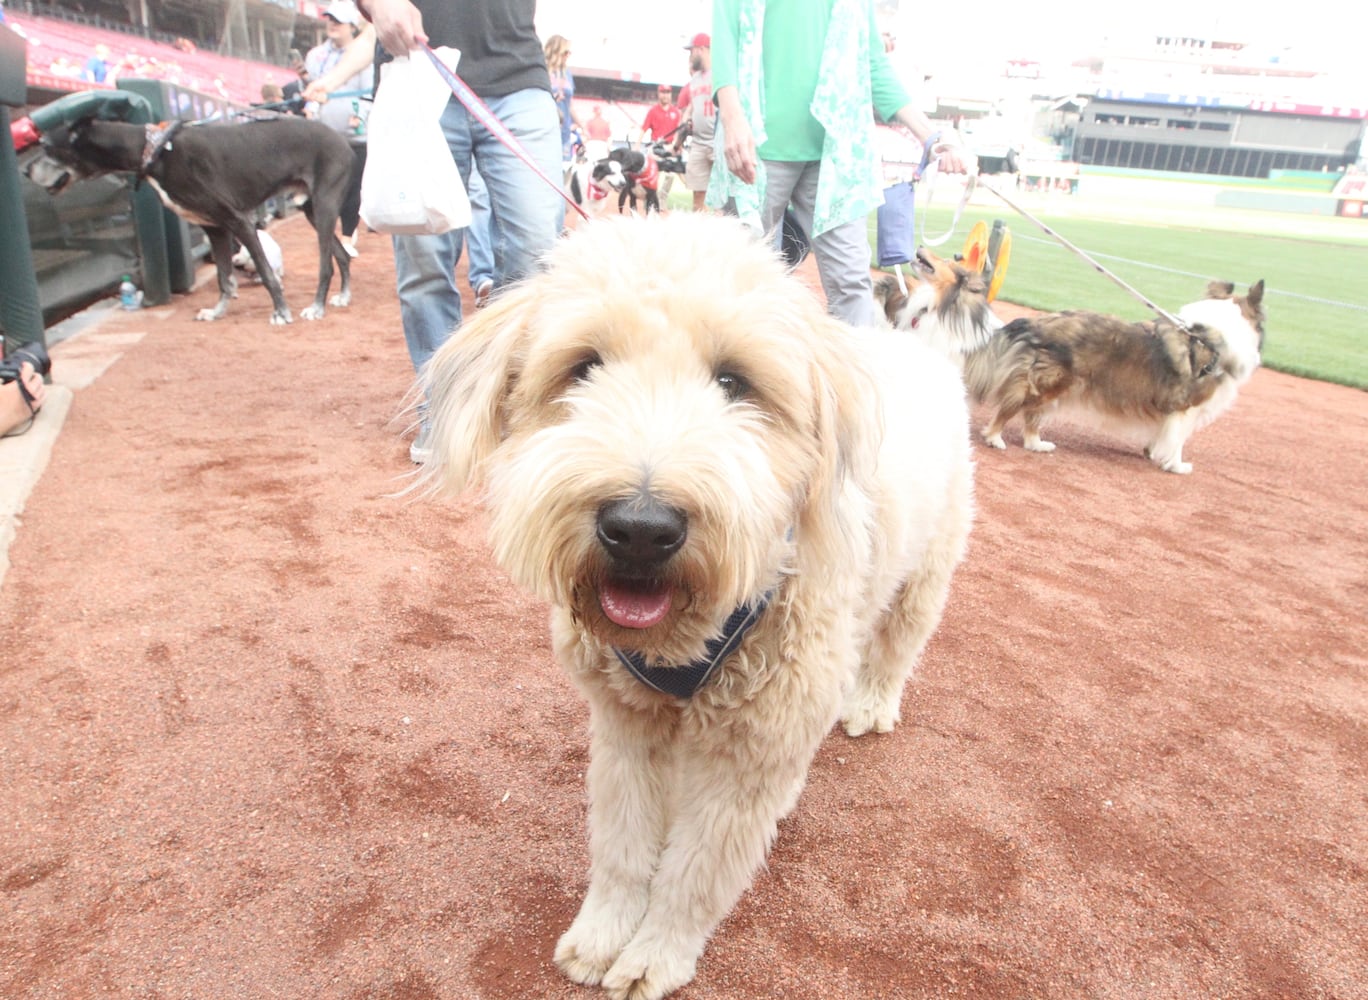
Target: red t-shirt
<point x="598" y="128"/>
<point x="661" y="121"/>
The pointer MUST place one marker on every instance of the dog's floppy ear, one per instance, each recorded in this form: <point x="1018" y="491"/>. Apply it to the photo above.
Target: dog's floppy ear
<point x="846" y="431"/>
<point x="467" y="383"/>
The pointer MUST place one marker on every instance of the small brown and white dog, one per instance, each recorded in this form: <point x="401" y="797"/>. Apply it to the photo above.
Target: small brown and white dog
<point x="947" y="306"/>
<point x="1153" y="381"/>
<point x="745" y="517"/>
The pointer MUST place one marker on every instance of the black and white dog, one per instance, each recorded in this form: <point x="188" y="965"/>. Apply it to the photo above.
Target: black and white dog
<point x="633" y="175"/>
<point x="216" y="175"/>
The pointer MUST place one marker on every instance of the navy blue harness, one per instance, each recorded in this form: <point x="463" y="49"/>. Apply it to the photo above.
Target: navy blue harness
<point x="683" y="682"/>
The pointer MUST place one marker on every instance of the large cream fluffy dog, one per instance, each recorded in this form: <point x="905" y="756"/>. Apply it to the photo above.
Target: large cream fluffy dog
<point x="676" y="443"/>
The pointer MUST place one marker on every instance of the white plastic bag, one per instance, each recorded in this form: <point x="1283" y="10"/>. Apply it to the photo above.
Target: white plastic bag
<point x="411" y="183"/>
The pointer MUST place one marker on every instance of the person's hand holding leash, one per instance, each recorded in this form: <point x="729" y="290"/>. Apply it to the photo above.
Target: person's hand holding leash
<point x="950" y="151"/>
<point x="947" y="146"/>
<point x="739" y="149"/>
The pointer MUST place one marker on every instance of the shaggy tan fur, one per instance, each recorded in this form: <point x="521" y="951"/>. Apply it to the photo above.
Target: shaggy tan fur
<point x="670" y="371"/>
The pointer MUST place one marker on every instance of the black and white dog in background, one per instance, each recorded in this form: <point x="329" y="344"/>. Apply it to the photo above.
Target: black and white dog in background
<point x="634" y="174"/>
<point x="216" y="175"/>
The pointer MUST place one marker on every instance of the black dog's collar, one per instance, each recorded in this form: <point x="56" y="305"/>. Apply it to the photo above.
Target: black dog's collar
<point x="683" y="682"/>
<point x="156" y="141"/>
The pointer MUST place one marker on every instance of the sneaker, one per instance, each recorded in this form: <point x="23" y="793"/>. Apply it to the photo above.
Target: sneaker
<point x="420" y="452"/>
<point x="482" y="293"/>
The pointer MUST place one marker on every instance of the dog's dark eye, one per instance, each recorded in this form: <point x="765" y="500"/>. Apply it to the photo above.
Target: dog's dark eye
<point x="582" y="371"/>
<point x="734" y="386"/>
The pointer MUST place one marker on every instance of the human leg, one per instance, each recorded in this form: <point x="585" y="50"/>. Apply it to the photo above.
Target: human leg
<point x="842" y="252"/>
<point x="698" y="162"/>
<point x="425" y="265"/>
<point x="480" y="239"/>
<point x="528" y="212"/>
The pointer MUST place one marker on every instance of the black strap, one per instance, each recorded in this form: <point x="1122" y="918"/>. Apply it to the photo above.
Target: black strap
<point x="28" y="399"/>
<point x="683" y="682"/>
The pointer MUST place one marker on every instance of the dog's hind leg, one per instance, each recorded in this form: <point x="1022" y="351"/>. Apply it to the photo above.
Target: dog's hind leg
<point x="246" y="234"/>
<point x="874" y="703"/>
<point x="322" y="210"/>
<point x="221" y="246"/>
<point x="992" y="432"/>
<point x="343" y="259"/>
<point x="1034" y="417"/>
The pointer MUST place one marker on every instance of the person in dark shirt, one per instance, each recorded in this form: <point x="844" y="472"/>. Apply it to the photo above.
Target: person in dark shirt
<point x="503" y="63"/>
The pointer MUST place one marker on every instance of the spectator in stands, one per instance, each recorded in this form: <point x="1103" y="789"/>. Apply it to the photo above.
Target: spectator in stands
<point x="503" y="63"/>
<point x="805" y="79"/>
<point x="597" y="127"/>
<point x="272" y="93"/>
<point x="20" y="400"/>
<point x="97" y="66"/>
<point x="346" y="114"/>
<point x="662" y="121"/>
<point x="64" y="67"/>
<point x="557" y="53"/>
<point x="697" y="97"/>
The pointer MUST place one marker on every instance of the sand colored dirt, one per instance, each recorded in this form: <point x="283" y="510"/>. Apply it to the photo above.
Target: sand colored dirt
<point x="269" y="730"/>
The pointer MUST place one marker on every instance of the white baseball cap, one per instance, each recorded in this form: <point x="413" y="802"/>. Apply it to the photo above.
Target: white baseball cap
<point x="344" y="11"/>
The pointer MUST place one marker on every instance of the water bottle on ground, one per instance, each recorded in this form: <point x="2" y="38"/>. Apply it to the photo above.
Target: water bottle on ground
<point x="129" y="295"/>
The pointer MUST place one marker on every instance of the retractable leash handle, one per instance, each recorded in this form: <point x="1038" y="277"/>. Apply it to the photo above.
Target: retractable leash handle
<point x="926" y="171"/>
<point x="489" y="120"/>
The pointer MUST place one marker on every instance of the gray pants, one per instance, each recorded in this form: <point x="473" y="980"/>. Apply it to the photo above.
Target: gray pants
<point x="842" y="253"/>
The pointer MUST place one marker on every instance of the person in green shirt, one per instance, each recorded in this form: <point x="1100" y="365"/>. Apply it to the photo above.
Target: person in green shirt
<point x="795" y="82"/>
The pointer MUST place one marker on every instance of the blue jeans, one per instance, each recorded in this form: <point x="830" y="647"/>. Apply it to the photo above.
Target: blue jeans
<point x="529" y="211"/>
<point x="482" y="235"/>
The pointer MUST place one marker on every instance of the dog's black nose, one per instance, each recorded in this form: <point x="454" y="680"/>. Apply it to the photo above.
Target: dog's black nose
<point x="641" y="532"/>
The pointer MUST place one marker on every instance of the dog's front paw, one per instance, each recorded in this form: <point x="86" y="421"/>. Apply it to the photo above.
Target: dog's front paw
<point x="994" y="441"/>
<point x="1181" y="468"/>
<point x="208" y="315"/>
<point x="312" y="311"/>
<point x="592" y="944"/>
<point x="340" y="299"/>
<point x="1040" y="446"/>
<point x="281" y="318"/>
<point x="649" y="970"/>
<point x="865" y="713"/>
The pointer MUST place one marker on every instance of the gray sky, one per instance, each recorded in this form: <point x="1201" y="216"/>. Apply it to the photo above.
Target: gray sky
<point x="979" y="36"/>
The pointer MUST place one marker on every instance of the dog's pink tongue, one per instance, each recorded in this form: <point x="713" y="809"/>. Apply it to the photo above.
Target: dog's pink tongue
<point x="635" y="606"/>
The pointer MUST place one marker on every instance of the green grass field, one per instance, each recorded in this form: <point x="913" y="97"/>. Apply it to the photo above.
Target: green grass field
<point x="1316" y="297"/>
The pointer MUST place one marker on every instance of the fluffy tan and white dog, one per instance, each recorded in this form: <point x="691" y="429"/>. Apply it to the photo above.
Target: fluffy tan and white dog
<point x="745" y="517"/>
